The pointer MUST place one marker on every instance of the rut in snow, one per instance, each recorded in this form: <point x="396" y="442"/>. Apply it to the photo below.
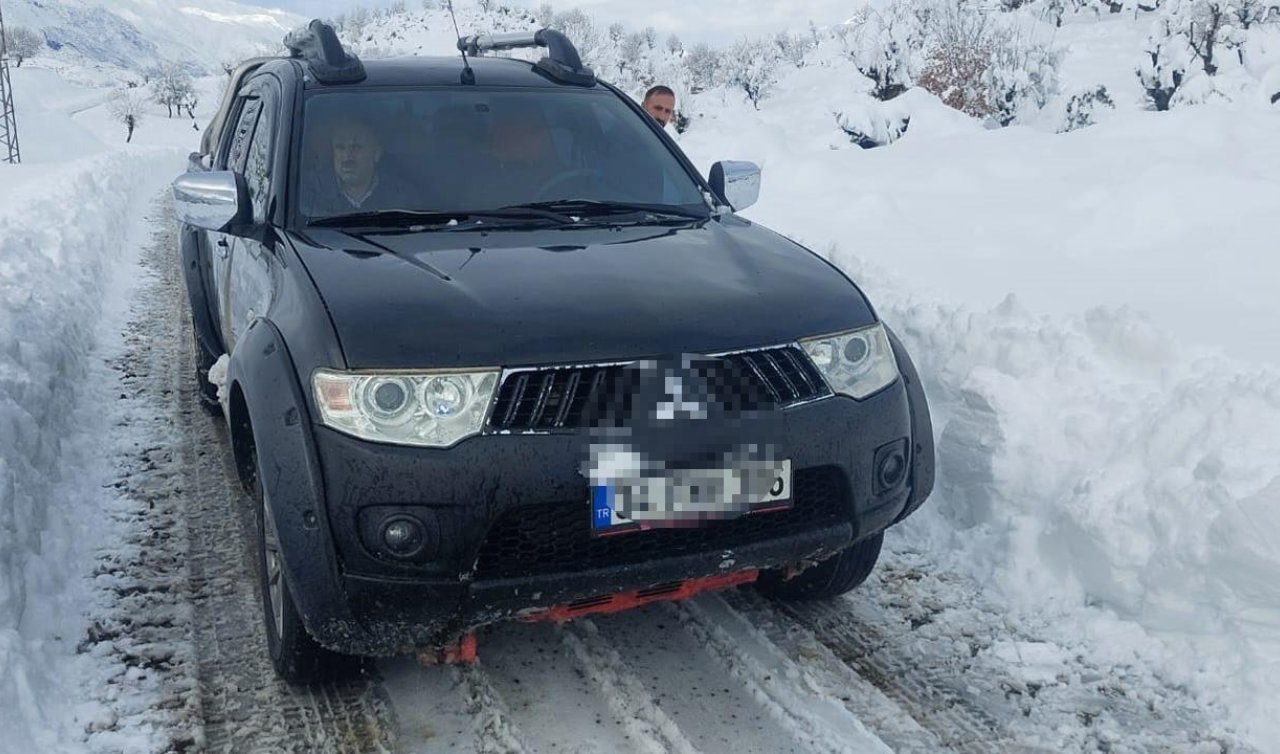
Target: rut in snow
<point x="190" y="578"/>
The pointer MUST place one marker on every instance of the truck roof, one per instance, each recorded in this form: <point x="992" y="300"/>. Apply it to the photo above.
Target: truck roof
<point x="446" y="71"/>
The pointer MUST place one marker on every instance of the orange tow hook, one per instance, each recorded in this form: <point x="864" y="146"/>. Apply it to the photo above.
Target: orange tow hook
<point x="461" y="653"/>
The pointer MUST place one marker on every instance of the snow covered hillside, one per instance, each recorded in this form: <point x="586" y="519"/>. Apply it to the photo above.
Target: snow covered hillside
<point x="1087" y="293"/>
<point x="88" y="35"/>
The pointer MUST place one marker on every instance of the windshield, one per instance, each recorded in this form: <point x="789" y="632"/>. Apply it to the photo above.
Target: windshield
<point x="450" y="150"/>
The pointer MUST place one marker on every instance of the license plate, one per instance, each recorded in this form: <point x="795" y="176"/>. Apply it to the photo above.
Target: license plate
<point x="687" y="497"/>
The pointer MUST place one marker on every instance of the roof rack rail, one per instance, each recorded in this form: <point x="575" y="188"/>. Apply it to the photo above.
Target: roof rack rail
<point x="562" y="62"/>
<point x="318" y="46"/>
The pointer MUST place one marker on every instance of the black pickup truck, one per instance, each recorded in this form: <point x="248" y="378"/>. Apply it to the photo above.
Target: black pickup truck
<point x="490" y="348"/>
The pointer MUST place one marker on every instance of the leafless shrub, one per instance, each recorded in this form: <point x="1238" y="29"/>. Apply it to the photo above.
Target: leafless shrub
<point x="958" y="58"/>
<point x="22" y="43"/>
<point x="171" y="86"/>
<point x="126" y="106"/>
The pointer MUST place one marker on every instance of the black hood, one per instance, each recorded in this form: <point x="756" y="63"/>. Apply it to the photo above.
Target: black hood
<point x="447" y="299"/>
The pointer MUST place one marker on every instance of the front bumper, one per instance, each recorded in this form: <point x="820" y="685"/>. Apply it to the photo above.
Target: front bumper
<point x="506" y="535"/>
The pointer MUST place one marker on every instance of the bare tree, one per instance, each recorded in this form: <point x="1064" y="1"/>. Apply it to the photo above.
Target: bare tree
<point x="579" y="27"/>
<point x="630" y="51"/>
<point x="702" y="62"/>
<point x="126" y="106"/>
<point x="357" y="20"/>
<point x="171" y="86"/>
<point x="886" y="44"/>
<point x="22" y="43"/>
<point x="751" y="66"/>
<point x="958" y="59"/>
<point x="1204" y="31"/>
<point x="1250" y="12"/>
<point x="1163" y="67"/>
<point x="792" y="48"/>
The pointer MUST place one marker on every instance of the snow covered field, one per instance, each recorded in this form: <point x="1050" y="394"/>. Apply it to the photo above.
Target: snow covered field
<point x="1092" y="313"/>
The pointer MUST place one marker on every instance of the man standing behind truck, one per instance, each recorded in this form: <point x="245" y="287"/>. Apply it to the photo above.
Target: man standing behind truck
<point x="660" y="103"/>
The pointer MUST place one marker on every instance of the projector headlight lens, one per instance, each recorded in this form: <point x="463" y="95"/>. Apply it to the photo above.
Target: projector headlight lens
<point x="445" y="396"/>
<point x="857" y="363"/>
<point x="432" y="409"/>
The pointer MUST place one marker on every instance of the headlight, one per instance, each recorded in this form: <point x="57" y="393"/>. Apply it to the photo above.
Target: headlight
<point x="856" y="364"/>
<point x="432" y="409"/>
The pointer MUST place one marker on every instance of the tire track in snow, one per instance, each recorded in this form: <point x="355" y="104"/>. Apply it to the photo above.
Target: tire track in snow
<point x="535" y="689"/>
<point x="650" y="729"/>
<point x="934" y="645"/>
<point x="140" y="618"/>
<point x="827" y="672"/>
<point x="780" y="686"/>
<point x="242" y="706"/>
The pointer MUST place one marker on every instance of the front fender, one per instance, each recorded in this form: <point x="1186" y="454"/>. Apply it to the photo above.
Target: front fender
<point x="289" y="471"/>
<point x="193" y="269"/>
<point x="923" y="459"/>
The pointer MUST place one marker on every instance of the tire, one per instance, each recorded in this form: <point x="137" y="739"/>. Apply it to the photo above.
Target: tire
<point x="206" y="391"/>
<point x="295" y="656"/>
<point x="830" y="578"/>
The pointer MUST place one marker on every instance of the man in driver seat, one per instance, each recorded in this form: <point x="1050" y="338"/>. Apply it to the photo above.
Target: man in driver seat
<point x="357" y="182"/>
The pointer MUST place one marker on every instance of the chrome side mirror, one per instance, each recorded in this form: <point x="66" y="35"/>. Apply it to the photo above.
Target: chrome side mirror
<point x="211" y="200"/>
<point x="738" y="183"/>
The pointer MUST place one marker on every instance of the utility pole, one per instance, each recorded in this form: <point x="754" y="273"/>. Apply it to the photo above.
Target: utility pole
<point x="8" y="121"/>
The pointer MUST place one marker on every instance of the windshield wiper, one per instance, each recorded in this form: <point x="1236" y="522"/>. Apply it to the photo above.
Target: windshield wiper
<point x="400" y="217"/>
<point x="596" y="208"/>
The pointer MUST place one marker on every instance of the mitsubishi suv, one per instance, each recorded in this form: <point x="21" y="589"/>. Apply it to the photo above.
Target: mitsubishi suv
<point x="489" y="348"/>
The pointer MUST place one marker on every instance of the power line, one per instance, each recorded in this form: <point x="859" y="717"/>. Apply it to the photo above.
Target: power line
<point x="9" y="151"/>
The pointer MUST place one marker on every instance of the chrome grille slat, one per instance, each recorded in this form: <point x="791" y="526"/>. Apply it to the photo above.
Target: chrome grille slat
<point x="748" y="361"/>
<point x="782" y="375"/>
<point x="793" y="358"/>
<point x="570" y="394"/>
<point x="558" y="398"/>
<point x="544" y="392"/>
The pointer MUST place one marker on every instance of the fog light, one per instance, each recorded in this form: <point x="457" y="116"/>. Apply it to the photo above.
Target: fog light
<point x="890" y="465"/>
<point x="891" y="469"/>
<point x="403" y="536"/>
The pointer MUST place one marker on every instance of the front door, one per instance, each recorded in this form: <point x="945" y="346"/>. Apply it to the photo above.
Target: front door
<point x="250" y="282"/>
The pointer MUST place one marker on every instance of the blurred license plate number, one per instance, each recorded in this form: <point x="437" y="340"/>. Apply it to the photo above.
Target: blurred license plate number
<point x="688" y="497"/>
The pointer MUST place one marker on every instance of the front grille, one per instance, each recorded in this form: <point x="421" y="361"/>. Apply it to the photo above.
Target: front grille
<point x="556" y="538"/>
<point x="564" y="397"/>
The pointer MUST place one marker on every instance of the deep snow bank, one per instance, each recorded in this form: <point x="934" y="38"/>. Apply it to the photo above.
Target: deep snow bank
<point x="65" y="236"/>
<point x="1100" y="460"/>
<point x="1092" y="462"/>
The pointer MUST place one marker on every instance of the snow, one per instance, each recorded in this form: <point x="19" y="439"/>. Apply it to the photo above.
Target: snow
<point x="58" y="273"/>
<point x="1092" y="314"/>
<point x="72" y="218"/>
<point x="722" y="21"/>
<point x="218" y="378"/>
<point x="1094" y="319"/>
<point x="98" y="39"/>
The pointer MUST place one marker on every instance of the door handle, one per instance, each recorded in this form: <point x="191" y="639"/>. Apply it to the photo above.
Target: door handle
<point x="223" y="247"/>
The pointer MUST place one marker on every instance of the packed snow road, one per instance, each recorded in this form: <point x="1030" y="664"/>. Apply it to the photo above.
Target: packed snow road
<point x="917" y="660"/>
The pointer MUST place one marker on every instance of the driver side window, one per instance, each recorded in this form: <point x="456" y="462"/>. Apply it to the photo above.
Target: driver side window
<point x="257" y="166"/>
<point x="240" y="137"/>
